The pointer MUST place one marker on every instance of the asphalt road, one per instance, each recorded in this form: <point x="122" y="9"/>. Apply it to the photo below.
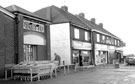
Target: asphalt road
<point x="104" y="74"/>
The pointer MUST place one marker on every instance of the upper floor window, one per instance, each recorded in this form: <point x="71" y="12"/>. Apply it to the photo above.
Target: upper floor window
<point x="87" y="37"/>
<point x="115" y="42"/>
<point x="103" y="38"/>
<point x="76" y="33"/>
<point x="118" y="43"/>
<point x="107" y="40"/>
<point x="112" y="41"/>
<point x="98" y="37"/>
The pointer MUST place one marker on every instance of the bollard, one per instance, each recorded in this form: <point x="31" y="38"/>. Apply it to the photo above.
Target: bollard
<point x="64" y="67"/>
<point x="116" y="64"/>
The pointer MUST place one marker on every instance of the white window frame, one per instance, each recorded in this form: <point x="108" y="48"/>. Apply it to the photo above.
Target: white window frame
<point x="76" y="33"/>
<point x="115" y="42"/>
<point x="118" y="43"/>
<point x="86" y="34"/>
<point x="103" y="38"/>
<point x="98" y="37"/>
<point x="112" y="41"/>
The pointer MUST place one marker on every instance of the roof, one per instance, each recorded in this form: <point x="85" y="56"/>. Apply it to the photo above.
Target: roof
<point x="5" y="11"/>
<point x="17" y="9"/>
<point x="58" y="15"/>
<point x="96" y="27"/>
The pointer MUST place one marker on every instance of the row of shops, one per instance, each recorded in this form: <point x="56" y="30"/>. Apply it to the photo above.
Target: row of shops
<point x="26" y="36"/>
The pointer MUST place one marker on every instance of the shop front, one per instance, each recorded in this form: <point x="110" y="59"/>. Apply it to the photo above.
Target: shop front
<point x="81" y="52"/>
<point x="119" y="55"/>
<point x="111" y="54"/>
<point x="101" y="54"/>
<point x="34" y="40"/>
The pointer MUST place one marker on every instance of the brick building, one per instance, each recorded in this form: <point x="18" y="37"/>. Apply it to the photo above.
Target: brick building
<point x="68" y="35"/>
<point x="7" y="25"/>
<point x="31" y="35"/>
<point x="26" y="36"/>
<point x="23" y="37"/>
<point x="102" y="47"/>
<point x="106" y="46"/>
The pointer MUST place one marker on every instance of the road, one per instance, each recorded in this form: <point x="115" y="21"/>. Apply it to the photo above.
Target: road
<point x="104" y="74"/>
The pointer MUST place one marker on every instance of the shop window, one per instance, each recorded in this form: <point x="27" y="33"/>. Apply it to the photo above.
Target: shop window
<point x="87" y="37"/>
<point x="76" y="33"/>
<point x="29" y="53"/>
<point x="86" y="56"/>
<point x="98" y="37"/>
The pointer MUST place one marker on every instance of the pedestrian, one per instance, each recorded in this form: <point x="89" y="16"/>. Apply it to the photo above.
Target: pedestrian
<point x="57" y="58"/>
<point x="80" y="60"/>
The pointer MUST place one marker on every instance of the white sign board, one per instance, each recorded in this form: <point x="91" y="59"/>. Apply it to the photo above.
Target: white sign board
<point x="101" y="47"/>
<point x="81" y="45"/>
<point x="29" y="25"/>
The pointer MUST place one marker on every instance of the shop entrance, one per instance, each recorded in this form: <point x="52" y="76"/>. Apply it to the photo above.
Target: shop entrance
<point x="85" y="57"/>
<point x="30" y="52"/>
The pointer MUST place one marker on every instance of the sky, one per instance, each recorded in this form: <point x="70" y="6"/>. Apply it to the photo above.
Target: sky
<point x="117" y="16"/>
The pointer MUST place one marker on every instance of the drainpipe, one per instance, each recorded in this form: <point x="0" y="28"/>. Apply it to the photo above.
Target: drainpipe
<point x="93" y="47"/>
<point x="16" y="58"/>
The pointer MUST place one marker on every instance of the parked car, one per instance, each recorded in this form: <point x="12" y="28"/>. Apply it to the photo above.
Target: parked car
<point x="130" y="60"/>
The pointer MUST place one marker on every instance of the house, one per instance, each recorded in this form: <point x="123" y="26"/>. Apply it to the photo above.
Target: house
<point x="69" y="37"/>
<point x="106" y="46"/>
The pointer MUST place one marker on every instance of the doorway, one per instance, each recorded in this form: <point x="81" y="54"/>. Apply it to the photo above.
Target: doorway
<point x="30" y="52"/>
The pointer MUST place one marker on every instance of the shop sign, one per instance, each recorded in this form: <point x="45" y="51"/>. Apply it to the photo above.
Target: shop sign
<point x="81" y="45"/>
<point x="119" y="48"/>
<point x="33" y="26"/>
<point x="101" y="47"/>
<point x="111" y="47"/>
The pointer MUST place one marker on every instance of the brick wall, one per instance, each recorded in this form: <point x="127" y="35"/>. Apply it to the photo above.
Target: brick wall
<point x="20" y="38"/>
<point x="6" y="41"/>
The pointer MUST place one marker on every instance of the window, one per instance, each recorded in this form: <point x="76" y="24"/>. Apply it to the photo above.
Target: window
<point x="118" y="43"/>
<point x="107" y="40"/>
<point x="98" y="37"/>
<point x="86" y="56"/>
<point x="112" y="41"/>
<point x="29" y="52"/>
<point x="76" y="33"/>
<point x="115" y="42"/>
<point x="87" y="36"/>
<point x="103" y="38"/>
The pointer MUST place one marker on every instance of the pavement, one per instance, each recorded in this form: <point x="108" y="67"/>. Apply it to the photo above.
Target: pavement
<point x="102" y="74"/>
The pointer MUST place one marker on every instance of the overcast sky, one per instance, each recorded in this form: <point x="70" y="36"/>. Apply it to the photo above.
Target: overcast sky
<point x="117" y="16"/>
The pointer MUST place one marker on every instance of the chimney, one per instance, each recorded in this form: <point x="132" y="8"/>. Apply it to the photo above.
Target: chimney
<point x="82" y="15"/>
<point x="65" y="8"/>
<point x="93" y="20"/>
<point x="100" y="25"/>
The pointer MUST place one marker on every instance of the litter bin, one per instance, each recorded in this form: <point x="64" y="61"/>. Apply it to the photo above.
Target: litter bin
<point x="116" y="64"/>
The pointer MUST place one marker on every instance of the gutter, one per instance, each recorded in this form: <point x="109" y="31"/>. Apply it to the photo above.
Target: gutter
<point x="104" y="33"/>
<point x="6" y="12"/>
<point x="33" y="18"/>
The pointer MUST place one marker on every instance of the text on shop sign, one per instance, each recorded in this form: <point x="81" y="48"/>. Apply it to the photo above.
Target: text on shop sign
<point x="29" y="25"/>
